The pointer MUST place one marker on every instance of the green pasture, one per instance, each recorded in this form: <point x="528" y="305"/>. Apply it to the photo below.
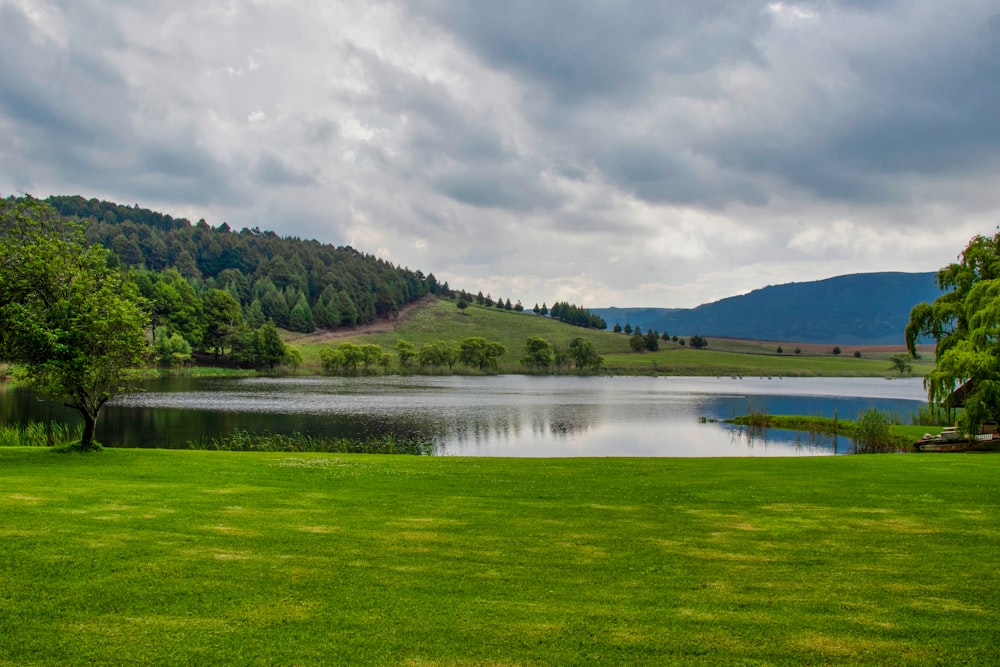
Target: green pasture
<point x="677" y="360"/>
<point x="442" y="320"/>
<point x="170" y="557"/>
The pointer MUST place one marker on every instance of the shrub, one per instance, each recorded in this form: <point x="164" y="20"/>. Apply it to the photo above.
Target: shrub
<point x="873" y="433"/>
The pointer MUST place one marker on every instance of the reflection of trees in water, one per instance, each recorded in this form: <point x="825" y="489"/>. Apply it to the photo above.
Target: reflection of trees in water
<point x="753" y="435"/>
<point x="485" y="427"/>
<point x="133" y="425"/>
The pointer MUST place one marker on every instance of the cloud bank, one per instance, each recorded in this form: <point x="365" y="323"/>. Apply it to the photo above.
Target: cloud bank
<point x="629" y="153"/>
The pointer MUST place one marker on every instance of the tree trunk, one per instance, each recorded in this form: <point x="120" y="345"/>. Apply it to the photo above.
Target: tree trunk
<point x="89" y="426"/>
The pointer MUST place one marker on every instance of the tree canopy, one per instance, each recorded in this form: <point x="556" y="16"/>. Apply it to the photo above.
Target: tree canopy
<point x="73" y="326"/>
<point x="538" y="353"/>
<point x="965" y="323"/>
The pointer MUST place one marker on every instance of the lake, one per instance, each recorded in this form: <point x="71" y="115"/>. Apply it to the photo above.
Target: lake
<point x="508" y="415"/>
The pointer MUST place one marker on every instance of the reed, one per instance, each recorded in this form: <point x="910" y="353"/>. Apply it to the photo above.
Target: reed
<point x="873" y="432"/>
<point x="246" y="441"/>
<point x="40" y="434"/>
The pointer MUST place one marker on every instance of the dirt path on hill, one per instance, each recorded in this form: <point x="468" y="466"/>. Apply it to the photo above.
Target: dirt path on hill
<point x="378" y="326"/>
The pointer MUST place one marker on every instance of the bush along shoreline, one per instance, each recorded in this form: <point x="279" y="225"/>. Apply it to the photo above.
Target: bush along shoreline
<point x="873" y="432"/>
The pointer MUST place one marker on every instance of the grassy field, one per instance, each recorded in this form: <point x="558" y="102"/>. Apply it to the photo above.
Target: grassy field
<point x="167" y="557"/>
<point x="441" y="320"/>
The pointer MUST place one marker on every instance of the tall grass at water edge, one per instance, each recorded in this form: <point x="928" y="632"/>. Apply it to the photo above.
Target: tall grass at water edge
<point x="39" y="434"/>
<point x="245" y="441"/>
<point x="56" y="434"/>
<point x="874" y="431"/>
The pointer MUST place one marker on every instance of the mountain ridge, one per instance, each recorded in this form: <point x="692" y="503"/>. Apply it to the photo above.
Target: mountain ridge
<point x="852" y="309"/>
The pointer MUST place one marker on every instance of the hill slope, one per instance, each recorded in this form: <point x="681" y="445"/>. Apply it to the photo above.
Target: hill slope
<point x="863" y="308"/>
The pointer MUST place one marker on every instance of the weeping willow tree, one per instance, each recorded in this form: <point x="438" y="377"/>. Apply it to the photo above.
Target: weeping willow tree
<point x="965" y="323"/>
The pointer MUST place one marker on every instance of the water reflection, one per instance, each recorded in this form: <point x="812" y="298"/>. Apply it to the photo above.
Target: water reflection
<point x="494" y="416"/>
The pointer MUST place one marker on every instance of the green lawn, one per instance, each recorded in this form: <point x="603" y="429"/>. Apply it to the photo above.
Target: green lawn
<point x="171" y="557"/>
<point x="441" y="320"/>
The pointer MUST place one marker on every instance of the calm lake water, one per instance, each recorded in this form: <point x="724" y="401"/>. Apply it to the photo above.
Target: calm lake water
<point x="511" y="415"/>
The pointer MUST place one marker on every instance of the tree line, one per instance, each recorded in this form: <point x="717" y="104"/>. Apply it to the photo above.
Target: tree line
<point x="217" y="294"/>
<point x="301" y="285"/>
<point x="474" y="353"/>
<point x="650" y="341"/>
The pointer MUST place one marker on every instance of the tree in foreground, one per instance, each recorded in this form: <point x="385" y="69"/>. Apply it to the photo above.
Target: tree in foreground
<point x="74" y="328"/>
<point x="965" y="323"/>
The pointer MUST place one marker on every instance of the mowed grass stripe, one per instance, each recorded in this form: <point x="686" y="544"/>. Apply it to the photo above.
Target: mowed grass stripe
<point x="167" y="557"/>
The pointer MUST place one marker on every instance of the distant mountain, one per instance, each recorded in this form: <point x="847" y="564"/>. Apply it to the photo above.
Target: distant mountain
<point x="858" y="309"/>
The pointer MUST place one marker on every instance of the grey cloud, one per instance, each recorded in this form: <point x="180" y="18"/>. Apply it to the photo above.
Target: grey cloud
<point x="321" y="132"/>
<point x="183" y="172"/>
<point x="73" y="113"/>
<point x="577" y="50"/>
<point x="929" y="110"/>
<point x="272" y="170"/>
<point x="449" y="145"/>
<point x="515" y="192"/>
<point x="654" y="174"/>
<point x="65" y="96"/>
<point x="440" y="126"/>
<point x="631" y="143"/>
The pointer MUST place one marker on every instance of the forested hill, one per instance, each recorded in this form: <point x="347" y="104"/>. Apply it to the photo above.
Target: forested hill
<point x="864" y="308"/>
<point x="298" y="284"/>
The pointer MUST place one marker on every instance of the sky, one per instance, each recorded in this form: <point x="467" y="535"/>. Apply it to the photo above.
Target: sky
<point x="647" y="153"/>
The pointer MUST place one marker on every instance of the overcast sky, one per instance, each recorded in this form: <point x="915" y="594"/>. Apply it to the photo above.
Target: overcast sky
<point x="605" y="153"/>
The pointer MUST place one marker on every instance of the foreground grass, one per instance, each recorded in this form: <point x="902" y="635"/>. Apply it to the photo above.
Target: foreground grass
<point x="441" y="320"/>
<point x="165" y="557"/>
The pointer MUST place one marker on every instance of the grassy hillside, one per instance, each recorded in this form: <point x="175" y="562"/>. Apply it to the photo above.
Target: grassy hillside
<point x="167" y="557"/>
<point x="439" y="319"/>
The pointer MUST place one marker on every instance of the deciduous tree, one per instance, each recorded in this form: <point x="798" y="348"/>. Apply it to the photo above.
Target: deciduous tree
<point x="538" y="353"/>
<point x="406" y="352"/>
<point x="478" y="352"/>
<point x="74" y="327"/>
<point x="584" y="355"/>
